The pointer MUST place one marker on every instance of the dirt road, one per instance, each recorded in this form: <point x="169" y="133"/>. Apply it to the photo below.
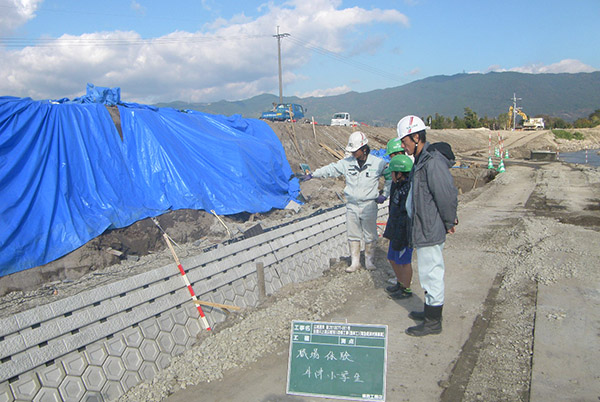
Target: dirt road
<point x="521" y="319"/>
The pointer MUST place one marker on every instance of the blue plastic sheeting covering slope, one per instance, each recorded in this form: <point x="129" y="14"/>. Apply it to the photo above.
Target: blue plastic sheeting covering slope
<point x="66" y="176"/>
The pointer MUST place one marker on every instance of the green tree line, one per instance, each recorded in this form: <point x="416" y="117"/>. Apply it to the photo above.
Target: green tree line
<point x="503" y="121"/>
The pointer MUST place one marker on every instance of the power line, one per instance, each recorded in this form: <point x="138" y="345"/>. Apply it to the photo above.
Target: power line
<point x="344" y="59"/>
<point x="61" y="42"/>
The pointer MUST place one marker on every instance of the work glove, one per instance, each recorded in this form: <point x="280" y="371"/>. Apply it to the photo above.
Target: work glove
<point x="381" y="199"/>
<point x="306" y="177"/>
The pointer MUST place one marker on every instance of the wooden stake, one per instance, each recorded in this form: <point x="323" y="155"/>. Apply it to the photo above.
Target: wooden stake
<point x="219" y="305"/>
<point x="260" y="273"/>
<point x="333" y="152"/>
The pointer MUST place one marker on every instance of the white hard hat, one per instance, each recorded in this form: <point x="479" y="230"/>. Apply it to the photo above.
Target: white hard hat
<point x="409" y="125"/>
<point x="356" y="141"/>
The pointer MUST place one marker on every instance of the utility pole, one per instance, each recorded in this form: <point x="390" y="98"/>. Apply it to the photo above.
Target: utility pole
<point x="279" y="36"/>
<point x="514" y="116"/>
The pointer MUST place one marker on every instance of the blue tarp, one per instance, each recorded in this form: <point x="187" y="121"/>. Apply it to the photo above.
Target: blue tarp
<point x="66" y="175"/>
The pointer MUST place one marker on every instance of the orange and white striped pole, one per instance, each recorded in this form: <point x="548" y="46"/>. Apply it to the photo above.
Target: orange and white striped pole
<point x="188" y="284"/>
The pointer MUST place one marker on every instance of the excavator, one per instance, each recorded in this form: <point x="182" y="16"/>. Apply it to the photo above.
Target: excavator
<point x="528" y="124"/>
<point x="511" y="121"/>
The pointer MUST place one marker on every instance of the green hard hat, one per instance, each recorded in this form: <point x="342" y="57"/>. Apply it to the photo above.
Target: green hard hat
<point x="394" y="145"/>
<point x="387" y="173"/>
<point x="401" y="163"/>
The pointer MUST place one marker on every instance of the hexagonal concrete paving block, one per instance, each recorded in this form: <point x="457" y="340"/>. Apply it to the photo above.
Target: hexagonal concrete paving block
<point x="112" y="390"/>
<point x="228" y="293"/>
<point x="115" y="346"/>
<point x="193" y="326"/>
<point x="239" y="301"/>
<point x="74" y="364"/>
<point x="149" y="349"/>
<point x="26" y="386"/>
<point x="47" y="395"/>
<point x="284" y="268"/>
<point x="251" y="282"/>
<point x="132" y="359"/>
<point x="71" y="389"/>
<point x="239" y="288"/>
<point x="6" y="394"/>
<point x="165" y="342"/>
<point x="113" y="368"/>
<point x="163" y="360"/>
<point x="94" y="378"/>
<point x="150" y="328"/>
<point x="130" y="379"/>
<point x="165" y="322"/>
<point x="180" y="316"/>
<point x="178" y="349"/>
<point x="51" y="376"/>
<point x="96" y="354"/>
<point x="180" y="335"/>
<point x="218" y="297"/>
<point x="133" y="337"/>
<point x="92" y="396"/>
<point x="250" y="299"/>
<point x="148" y="370"/>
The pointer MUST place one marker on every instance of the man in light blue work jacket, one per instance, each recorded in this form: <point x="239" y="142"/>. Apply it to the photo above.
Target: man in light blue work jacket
<point x="362" y="172"/>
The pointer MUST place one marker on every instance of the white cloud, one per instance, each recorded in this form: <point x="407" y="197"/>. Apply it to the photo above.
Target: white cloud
<point x="14" y="13"/>
<point x="236" y="59"/>
<point x="138" y="8"/>
<point x="319" y="93"/>
<point x="564" y="66"/>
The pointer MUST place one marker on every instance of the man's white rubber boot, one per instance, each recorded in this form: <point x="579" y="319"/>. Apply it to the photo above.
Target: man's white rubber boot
<point x="355" y="255"/>
<point x="370" y="256"/>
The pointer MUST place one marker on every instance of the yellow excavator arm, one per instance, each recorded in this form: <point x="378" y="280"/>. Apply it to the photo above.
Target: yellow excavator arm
<point x="519" y="112"/>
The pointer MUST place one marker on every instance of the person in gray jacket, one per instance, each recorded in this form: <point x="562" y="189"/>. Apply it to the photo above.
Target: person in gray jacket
<point x="431" y="205"/>
<point x="362" y="172"/>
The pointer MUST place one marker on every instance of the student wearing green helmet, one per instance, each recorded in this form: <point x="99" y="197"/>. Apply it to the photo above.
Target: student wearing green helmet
<point x="396" y="229"/>
<point x="394" y="147"/>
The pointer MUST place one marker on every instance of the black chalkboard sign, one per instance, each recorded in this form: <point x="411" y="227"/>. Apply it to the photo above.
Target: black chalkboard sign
<point x="337" y="360"/>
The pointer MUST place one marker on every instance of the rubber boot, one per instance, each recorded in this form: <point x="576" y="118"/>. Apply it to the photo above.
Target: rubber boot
<point x="417" y="315"/>
<point x="432" y="324"/>
<point x="370" y="256"/>
<point x="355" y="256"/>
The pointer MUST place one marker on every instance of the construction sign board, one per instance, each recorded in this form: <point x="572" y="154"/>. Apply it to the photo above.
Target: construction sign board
<point x="336" y="360"/>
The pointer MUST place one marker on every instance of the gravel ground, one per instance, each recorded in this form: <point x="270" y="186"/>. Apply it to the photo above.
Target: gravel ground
<point x="531" y="247"/>
<point x="253" y="333"/>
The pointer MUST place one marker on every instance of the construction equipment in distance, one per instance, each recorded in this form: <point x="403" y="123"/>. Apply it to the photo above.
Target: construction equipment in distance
<point x="536" y="123"/>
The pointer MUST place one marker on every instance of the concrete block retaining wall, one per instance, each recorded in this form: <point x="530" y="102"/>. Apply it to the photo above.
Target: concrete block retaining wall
<point x="99" y="343"/>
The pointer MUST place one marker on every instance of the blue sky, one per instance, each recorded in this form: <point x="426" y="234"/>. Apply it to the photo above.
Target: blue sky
<point x="208" y="50"/>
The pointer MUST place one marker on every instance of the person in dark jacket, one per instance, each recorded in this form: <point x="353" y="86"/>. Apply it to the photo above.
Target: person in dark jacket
<point x="396" y="229"/>
<point x="431" y="207"/>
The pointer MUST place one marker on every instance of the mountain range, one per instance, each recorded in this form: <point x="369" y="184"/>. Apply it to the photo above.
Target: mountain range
<point x="568" y="96"/>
